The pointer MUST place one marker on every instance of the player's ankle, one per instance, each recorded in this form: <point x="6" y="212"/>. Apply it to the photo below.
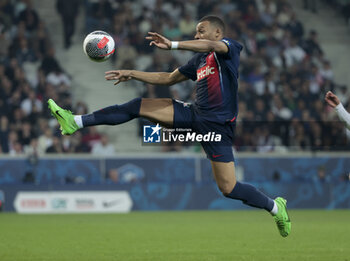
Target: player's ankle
<point x="78" y="121"/>
<point x="274" y="210"/>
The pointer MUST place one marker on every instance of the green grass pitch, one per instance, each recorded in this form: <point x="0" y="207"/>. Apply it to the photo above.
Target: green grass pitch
<point x="194" y="235"/>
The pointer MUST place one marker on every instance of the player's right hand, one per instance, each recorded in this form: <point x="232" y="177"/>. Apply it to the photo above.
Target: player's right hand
<point x="332" y="99"/>
<point x="118" y="76"/>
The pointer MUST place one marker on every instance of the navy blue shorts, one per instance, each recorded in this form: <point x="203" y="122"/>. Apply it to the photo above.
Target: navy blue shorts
<point x="186" y="117"/>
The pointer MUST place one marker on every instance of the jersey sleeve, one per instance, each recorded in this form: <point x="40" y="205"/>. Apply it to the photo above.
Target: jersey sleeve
<point x="234" y="47"/>
<point x="231" y="58"/>
<point x="190" y="69"/>
<point x="343" y="115"/>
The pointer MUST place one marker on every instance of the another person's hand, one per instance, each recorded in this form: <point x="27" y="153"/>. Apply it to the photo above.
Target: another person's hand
<point x="159" y="41"/>
<point x="118" y="76"/>
<point x="332" y="99"/>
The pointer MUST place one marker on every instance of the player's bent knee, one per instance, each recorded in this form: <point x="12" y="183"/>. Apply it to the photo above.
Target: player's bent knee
<point x="158" y="110"/>
<point x="226" y="188"/>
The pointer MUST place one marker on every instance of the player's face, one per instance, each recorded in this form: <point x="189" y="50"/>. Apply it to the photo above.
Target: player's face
<point x="205" y="30"/>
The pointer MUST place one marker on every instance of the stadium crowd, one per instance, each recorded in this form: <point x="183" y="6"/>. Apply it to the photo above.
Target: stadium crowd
<point x="284" y="73"/>
<point x="29" y="75"/>
<point x="343" y="7"/>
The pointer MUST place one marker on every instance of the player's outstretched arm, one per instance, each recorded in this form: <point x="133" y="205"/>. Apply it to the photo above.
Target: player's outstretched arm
<point x="160" y="78"/>
<point x="335" y="103"/>
<point x="199" y="46"/>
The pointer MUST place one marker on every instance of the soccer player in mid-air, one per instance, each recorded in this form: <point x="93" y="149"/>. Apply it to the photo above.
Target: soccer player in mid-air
<point x="214" y="67"/>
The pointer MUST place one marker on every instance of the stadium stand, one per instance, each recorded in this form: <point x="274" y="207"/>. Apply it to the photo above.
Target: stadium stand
<point x="30" y="74"/>
<point x="343" y="7"/>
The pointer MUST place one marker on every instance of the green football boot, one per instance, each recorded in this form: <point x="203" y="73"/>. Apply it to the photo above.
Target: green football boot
<point x="281" y="218"/>
<point x="64" y="117"/>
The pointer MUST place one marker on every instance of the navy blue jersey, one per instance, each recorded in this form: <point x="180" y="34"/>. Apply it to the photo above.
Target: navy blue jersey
<point x="216" y="78"/>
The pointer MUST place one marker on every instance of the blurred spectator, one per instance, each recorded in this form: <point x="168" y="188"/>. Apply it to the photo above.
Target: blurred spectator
<point x="25" y="53"/>
<point x="295" y="27"/>
<point x="67" y="144"/>
<point x="81" y="108"/>
<point x="103" y="148"/>
<point x="171" y="31"/>
<point x="31" y="104"/>
<point x="30" y="17"/>
<point x="4" y="134"/>
<point x="187" y="26"/>
<point x="69" y="12"/>
<point x="5" y="44"/>
<point x="16" y="149"/>
<point x="31" y="150"/>
<point x="49" y="62"/>
<point x="298" y="137"/>
<point x="26" y="134"/>
<point x="91" y="137"/>
<point x="126" y="53"/>
<point x="284" y="16"/>
<point x="57" y="77"/>
<point x="41" y="41"/>
<point x="311" y="45"/>
<point x="12" y="140"/>
<point x="345" y="9"/>
<point x="6" y="14"/>
<point x="279" y="109"/>
<point x="78" y="146"/>
<point x="56" y="146"/>
<point x="267" y="10"/>
<point x="316" y="80"/>
<point x="310" y="5"/>
<point x="227" y="6"/>
<point x="264" y="140"/>
<point x="45" y="141"/>
<point x="326" y="71"/>
<point x="293" y="54"/>
<point x="99" y="15"/>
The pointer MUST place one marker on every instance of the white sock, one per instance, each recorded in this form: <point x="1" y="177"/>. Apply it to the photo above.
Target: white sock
<point x="79" y="121"/>
<point x="274" y="209"/>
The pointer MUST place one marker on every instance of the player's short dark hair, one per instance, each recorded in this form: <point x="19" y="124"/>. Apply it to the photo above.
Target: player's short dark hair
<point x="214" y="20"/>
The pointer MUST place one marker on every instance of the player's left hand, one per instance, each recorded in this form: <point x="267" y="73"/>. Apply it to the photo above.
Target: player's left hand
<point x="118" y="76"/>
<point x="159" y="41"/>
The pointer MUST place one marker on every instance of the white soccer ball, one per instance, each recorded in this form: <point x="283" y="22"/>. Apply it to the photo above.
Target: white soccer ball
<point x="98" y="46"/>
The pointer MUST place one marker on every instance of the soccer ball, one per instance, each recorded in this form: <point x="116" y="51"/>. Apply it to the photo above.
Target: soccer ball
<point x="98" y="46"/>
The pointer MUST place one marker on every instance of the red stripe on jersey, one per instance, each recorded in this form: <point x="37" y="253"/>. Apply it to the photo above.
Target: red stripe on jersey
<point x="211" y="72"/>
<point x="102" y="43"/>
